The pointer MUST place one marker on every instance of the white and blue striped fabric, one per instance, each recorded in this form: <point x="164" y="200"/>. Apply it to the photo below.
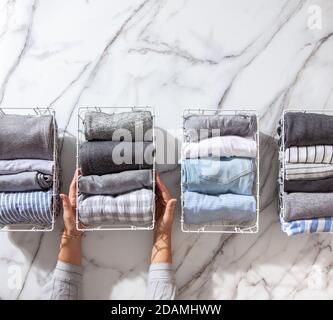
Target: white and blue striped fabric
<point x="307" y="226"/>
<point x="26" y="207"/>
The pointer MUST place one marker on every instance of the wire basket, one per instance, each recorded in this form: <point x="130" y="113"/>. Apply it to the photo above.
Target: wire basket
<point x="282" y="161"/>
<point x="81" y="139"/>
<point x="217" y="226"/>
<point x="56" y="170"/>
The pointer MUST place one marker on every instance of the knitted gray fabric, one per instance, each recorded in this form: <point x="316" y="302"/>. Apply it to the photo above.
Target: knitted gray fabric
<point x="198" y="127"/>
<point x="301" y="206"/>
<point x="103" y="157"/>
<point x="25" y="181"/>
<point x="307" y="129"/>
<point x="26" y="137"/>
<point x="116" y="183"/>
<point x="104" y="126"/>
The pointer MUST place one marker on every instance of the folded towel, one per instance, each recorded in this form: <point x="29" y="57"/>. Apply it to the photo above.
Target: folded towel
<point x="103" y="157"/>
<point x="321" y="185"/>
<point x="309" y="154"/>
<point x="26" y="137"/>
<point x="135" y="207"/>
<point x="22" y="165"/>
<point x="300" y="206"/>
<point x="307" y="129"/>
<point x="307" y="226"/>
<point x="198" y="127"/>
<point x="302" y="171"/>
<point x="116" y="183"/>
<point x="217" y="176"/>
<point x="25" y="181"/>
<point x="26" y="208"/>
<point x="225" y="146"/>
<point x="228" y="209"/>
<point x="124" y="126"/>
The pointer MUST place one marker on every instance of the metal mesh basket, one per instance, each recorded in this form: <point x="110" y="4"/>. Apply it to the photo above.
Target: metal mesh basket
<point x="282" y="157"/>
<point x="81" y="139"/>
<point x="56" y="170"/>
<point x="217" y="226"/>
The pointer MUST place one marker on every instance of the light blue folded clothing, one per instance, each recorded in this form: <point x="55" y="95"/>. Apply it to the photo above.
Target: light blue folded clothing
<point x="307" y="226"/>
<point x="26" y="208"/>
<point x="216" y="176"/>
<point x="229" y="209"/>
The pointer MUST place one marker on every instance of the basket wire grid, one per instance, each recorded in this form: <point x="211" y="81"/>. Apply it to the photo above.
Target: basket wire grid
<point x="56" y="171"/>
<point x="282" y="161"/>
<point x="81" y="138"/>
<point x="216" y="227"/>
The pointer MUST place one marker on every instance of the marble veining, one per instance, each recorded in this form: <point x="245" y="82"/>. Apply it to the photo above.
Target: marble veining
<point x="170" y="54"/>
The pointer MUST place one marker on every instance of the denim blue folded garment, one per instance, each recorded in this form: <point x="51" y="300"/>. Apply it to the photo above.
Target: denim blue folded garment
<point x="229" y="209"/>
<point x="215" y="176"/>
<point x="26" y="208"/>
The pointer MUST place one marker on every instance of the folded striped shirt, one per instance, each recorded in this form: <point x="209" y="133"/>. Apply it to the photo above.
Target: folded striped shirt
<point x="134" y="207"/>
<point x="309" y="154"/>
<point x="26" y="208"/>
<point x="308" y="171"/>
<point x="307" y="226"/>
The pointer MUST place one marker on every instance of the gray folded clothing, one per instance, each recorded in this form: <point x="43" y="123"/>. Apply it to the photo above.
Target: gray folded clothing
<point x="307" y="129"/>
<point x="199" y="127"/>
<point x="302" y="206"/>
<point x="116" y="183"/>
<point x="25" y="181"/>
<point x="320" y="185"/>
<point x="124" y="126"/>
<point x="103" y="157"/>
<point x="22" y="165"/>
<point x="26" y="137"/>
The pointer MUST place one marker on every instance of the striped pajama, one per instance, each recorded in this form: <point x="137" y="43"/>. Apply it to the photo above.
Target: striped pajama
<point x="309" y="154"/>
<point x="307" y="226"/>
<point x="26" y="207"/>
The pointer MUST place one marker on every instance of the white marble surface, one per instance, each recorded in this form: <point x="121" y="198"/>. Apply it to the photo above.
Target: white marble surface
<point x="171" y="54"/>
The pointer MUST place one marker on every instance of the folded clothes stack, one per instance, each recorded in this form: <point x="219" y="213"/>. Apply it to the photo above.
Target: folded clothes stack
<point x="26" y="169"/>
<point x="116" y="185"/>
<point x="218" y="169"/>
<point x="308" y="175"/>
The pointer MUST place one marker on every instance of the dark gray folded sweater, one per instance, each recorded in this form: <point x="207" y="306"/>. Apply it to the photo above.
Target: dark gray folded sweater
<point x="26" y="137"/>
<point x="307" y="129"/>
<point x="103" y="157"/>
<point x="198" y="127"/>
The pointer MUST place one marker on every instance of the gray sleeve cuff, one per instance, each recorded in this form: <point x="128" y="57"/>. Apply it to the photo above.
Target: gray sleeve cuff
<point x="161" y="271"/>
<point x="68" y="272"/>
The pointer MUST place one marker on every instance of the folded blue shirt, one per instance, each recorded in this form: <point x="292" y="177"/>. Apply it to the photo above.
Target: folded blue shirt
<point x="215" y="176"/>
<point x="230" y="209"/>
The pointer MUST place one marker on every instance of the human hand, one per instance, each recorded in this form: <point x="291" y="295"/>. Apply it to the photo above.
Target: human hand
<point x="70" y="245"/>
<point x="69" y="208"/>
<point x="165" y="206"/>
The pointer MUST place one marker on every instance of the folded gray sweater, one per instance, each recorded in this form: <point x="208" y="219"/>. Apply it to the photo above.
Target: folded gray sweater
<point x="103" y="157"/>
<point x="25" y="181"/>
<point x="307" y="129"/>
<point x="124" y="126"/>
<point x="116" y="183"/>
<point x="199" y="127"/>
<point x="26" y="137"/>
<point x="302" y="206"/>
